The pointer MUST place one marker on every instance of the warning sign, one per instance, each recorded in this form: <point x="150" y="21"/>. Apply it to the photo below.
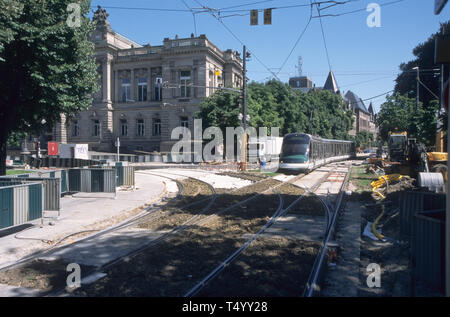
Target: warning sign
<point x="53" y="148"/>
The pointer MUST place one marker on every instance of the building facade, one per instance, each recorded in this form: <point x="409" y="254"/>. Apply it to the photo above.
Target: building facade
<point x="147" y="91"/>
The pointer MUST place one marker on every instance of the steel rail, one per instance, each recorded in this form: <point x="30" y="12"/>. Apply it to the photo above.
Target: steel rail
<point x="279" y="213"/>
<point x="312" y="287"/>
<point x="156" y="241"/>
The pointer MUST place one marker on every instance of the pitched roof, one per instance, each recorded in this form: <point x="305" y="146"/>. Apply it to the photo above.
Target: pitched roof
<point x="371" y="109"/>
<point x="355" y="101"/>
<point x="330" y="83"/>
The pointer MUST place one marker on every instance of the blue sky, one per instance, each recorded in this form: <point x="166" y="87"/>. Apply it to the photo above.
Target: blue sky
<point x="364" y="60"/>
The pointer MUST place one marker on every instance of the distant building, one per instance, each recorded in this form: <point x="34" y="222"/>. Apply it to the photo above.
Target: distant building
<point x="147" y="91"/>
<point x="331" y="84"/>
<point x="364" y="118"/>
<point x="302" y="83"/>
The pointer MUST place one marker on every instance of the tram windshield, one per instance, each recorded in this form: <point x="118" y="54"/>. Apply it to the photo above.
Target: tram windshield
<point x="296" y="145"/>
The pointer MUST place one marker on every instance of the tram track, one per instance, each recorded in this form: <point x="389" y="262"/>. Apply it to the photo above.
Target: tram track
<point x="202" y="235"/>
<point x="253" y="266"/>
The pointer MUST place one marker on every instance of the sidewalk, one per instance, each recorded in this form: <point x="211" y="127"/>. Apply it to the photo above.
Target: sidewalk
<point x="82" y="211"/>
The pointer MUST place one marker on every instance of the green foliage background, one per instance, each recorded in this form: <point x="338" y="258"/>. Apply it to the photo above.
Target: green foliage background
<point x="275" y="104"/>
<point x="47" y="67"/>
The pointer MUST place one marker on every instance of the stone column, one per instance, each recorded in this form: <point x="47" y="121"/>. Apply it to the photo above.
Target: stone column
<point x="117" y="86"/>
<point x="149" y="84"/>
<point x="132" y="97"/>
<point x="106" y="78"/>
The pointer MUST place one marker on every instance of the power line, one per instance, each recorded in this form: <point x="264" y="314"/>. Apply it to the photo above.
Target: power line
<point x="358" y="10"/>
<point x="297" y="41"/>
<point x="385" y="93"/>
<point x="237" y="38"/>
<point x="193" y="16"/>
<point x="367" y="81"/>
<point x="246" y="4"/>
<point x="323" y="37"/>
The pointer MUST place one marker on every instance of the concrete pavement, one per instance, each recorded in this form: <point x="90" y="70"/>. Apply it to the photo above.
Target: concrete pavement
<point x="83" y="211"/>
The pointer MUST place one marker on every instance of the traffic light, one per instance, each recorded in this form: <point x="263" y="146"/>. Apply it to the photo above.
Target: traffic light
<point x="267" y="16"/>
<point x="253" y="17"/>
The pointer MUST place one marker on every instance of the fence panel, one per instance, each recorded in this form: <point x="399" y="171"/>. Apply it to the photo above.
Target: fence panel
<point x="6" y="207"/>
<point x="428" y="248"/>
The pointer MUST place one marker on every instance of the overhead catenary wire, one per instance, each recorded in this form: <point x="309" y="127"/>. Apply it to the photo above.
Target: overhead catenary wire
<point x="355" y="11"/>
<point x="193" y="16"/>
<point x="323" y="37"/>
<point x="237" y="38"/>
<point x="297" y="41"/>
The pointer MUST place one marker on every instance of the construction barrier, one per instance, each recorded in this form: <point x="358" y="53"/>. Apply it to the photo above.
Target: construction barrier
<point x="428" y="248"/>
<point x="92" y="180"/>
<point x="51" y="187"/>
<point x="125" y="174"/>
<point x="20" y="203"/>
<point x="414" y="202"/>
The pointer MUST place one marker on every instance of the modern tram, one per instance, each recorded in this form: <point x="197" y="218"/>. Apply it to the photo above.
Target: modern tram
<point x="303" y="152"/>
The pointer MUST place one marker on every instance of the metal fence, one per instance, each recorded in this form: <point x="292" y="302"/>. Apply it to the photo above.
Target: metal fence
<point x="92" y="180"/>
<point x="20" y="203"/>
<point x="51" y="186"/>
<point x="413" y="202"/>
<point x="59" y="162"/>
<point x="125" y="174"/>
<point x="428" y="248"/>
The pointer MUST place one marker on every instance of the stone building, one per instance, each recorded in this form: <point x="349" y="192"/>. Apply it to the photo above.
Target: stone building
<point x="147" y="91"/>
<point x="364" y="118"/>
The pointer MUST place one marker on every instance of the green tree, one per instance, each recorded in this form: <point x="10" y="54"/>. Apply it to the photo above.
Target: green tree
<point x="48" y="68"/>
<point x="220" y="110"/>
<point x="363" y="138"/>
<point x="275" y="104"/>
<point x="399" y="113"/>
<point x="406" y="82"/>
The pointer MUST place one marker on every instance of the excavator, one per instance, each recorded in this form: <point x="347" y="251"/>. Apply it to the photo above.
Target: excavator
<point x="430" y="168"/>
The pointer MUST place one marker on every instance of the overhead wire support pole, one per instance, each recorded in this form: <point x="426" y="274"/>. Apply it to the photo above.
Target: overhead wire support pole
<point x="193" y="16"/>
<point x="244" y="108"/>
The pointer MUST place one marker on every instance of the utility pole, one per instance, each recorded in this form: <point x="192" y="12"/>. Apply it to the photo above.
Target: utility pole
<point x="244" y="108"/>
<point x="417" y="89"/>
<point x="118" y="147"/>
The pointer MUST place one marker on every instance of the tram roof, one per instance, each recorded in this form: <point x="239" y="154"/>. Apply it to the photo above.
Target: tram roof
<point x="318" y="137"/>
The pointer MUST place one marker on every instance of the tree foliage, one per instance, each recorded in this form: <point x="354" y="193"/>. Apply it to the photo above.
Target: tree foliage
<point x="363" y="138"/>
<point x="48" y="68"/>
<point x="399" y="113"/>
<point x="406" y="82"/>
<point x="275" y="104"/>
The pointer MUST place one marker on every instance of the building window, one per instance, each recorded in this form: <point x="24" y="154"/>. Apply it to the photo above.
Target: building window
<point x="157" y="127"/>
<point x="126" y="90"/>
<point x="75" y="128"/>
<point x="184" y="122"/>
<point x="142" y="89"/>
<point x="140" y="127"/>
<point x="158" y="88"/>
<point x="185" y="80"/>
<point x="123" y="127"/>
<point x="95" y="128"/>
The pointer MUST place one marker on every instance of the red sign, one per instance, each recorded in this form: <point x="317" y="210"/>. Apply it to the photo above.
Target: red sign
<point x="53" y="148"/>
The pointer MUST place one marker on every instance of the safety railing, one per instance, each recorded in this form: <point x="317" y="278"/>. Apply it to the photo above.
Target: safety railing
<point x="20" y="203"/>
